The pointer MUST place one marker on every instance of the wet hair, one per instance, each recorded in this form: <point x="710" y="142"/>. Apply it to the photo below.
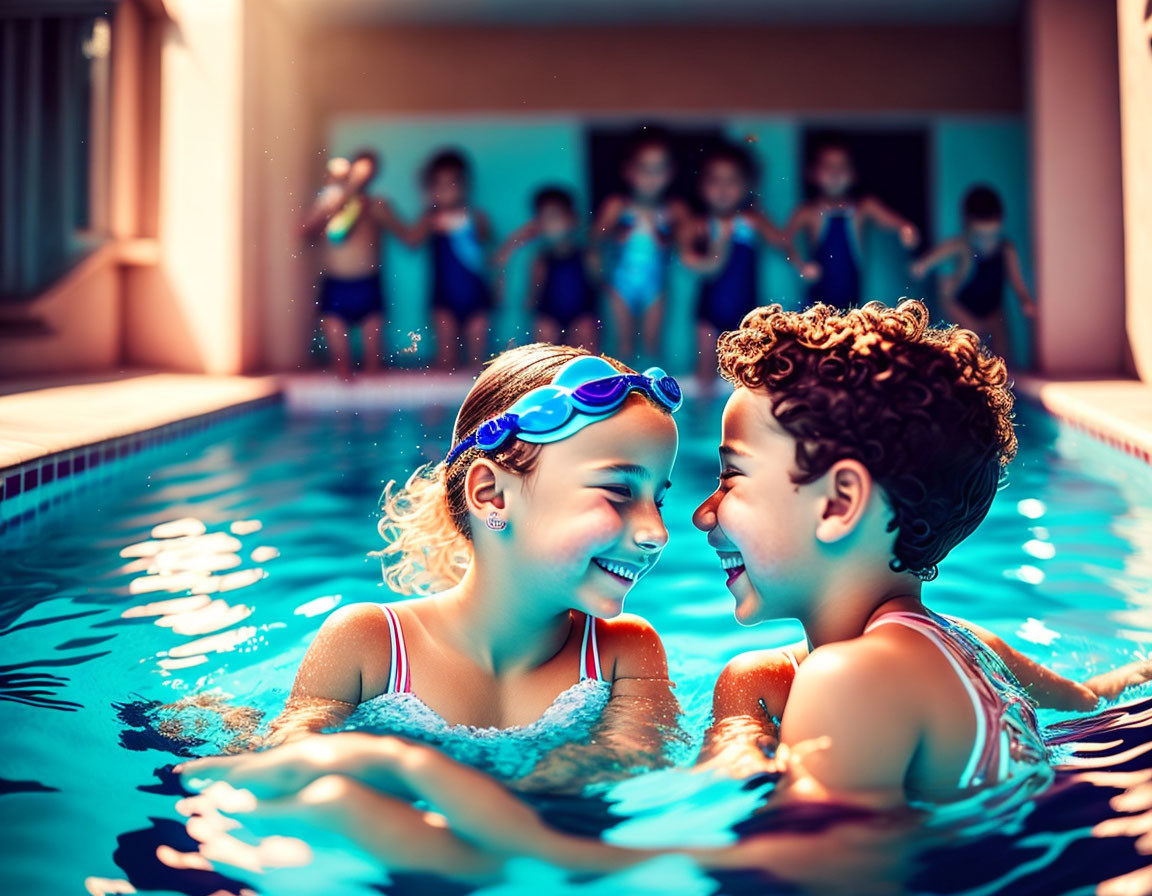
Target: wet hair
<point x="731" y="154"/>
<point x="927" y="411"/>
<point x="827" y="145"/>
<point x="449" y="160"/>
<point x="982" y="203"/>
<point x="647" y="137"/>
<point x="557" y="196"/>
<point x="425" y="523"/>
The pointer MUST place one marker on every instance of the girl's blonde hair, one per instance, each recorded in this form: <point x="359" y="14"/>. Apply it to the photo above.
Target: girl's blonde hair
<point x="425" y="523"/>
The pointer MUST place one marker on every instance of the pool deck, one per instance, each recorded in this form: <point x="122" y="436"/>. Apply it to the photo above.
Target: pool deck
<point x="1118" y="412"/>
<point x="48" y="417"/>
<point x="39" y="419"/>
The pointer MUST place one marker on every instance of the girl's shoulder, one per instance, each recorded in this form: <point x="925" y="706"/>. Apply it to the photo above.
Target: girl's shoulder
<point x="630" y="647"/>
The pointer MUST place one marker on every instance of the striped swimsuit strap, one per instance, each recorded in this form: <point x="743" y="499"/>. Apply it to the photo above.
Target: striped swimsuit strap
<point x="984" y="758"/>
<point x="400" y="672"/>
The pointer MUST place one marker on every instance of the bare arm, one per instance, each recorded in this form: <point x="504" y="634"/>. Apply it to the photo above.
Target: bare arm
<point x="768" y="231"/>
<point x="947" y="251"/>
<point x="519" y="237"/>
<point x="323" y="209"/>
<point x="747" y="705"/>
<point x="1016" y="280"/>
<point x="800" y="225"/>
<point x="872" y="209"/>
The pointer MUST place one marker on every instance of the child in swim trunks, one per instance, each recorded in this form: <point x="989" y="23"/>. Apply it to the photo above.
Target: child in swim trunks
<point x="725" y="249"/>
<point x="351" y="225"/>
<point x="983" y="260"/>
<point x="458" y="235"/>
<point x="521" y="546"/>
<point x="635" y="233"/>
<point x="564" y="295"/>
<point x="834" y="223"/>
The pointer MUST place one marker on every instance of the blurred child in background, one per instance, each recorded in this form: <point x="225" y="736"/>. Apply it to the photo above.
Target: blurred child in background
<point x="973" y="293"/>
<point x="458" y="235"/>
<point x="352" y="224"/>
<point x="731" y="236"/>
<point x="638" y="230"/>
<point x="834" y="223"/>
<point x="563" y="293"/>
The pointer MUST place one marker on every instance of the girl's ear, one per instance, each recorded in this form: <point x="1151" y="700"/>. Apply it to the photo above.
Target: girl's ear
<point x="483" y="487"/>
<point x="849" y="486"/>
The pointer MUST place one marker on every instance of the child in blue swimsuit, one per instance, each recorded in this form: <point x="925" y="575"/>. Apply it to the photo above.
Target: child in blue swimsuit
<point x="636" y="233"/>
<point x="457" y="235"/>
<point x="564" y="295"/>
<point x="725" y="249"/>
<point x="984" y="260"/>
<point x="833" y="224"/>
<point x="519" y="548"/>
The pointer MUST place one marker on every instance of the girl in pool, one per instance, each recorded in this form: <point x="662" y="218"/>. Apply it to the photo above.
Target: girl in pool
<point x="458" y="235"/>
<point x="525" y="541"/>
<point x="858" y="449"/>
<point x="636" y="233"/>
<point x="834" y="223"/>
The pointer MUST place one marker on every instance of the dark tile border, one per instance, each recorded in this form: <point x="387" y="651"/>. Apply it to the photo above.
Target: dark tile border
<point x="31" y="487"/>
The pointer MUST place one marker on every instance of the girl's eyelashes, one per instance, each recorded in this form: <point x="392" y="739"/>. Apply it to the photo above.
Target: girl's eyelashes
<point x="622" y="491"/>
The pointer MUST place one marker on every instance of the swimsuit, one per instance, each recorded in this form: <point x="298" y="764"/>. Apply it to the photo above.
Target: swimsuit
<point x="566" y="293"/>
<point x="507" y="753"/>
<point x="1008" y="742"/>
<point x="351" y="298"/>
<point x="730" y="293"/>
<point x="838" y="255"/>
<point x="459" y="285"/>
<point x="983" y="289"/>
<point x="641" y="259"/>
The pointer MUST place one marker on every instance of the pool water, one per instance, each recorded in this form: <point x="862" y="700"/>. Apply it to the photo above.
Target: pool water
<point x="266" y="526"/>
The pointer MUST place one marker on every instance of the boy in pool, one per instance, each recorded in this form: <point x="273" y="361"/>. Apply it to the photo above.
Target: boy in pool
<point x="984" y="259"/>
<point x="521" y="547"/>
<point x="563" y="293"/>
<point x="834" y="223"/>
<point x="352" y="224"/>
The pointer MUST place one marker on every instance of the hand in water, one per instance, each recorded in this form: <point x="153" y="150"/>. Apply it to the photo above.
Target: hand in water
<point x="1109" y="685"/>
<point x="271" y="773"/>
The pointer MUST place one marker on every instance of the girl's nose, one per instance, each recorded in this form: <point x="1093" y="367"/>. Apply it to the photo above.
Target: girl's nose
<point x="704" y="518"/>
<point x="651" y="535"/>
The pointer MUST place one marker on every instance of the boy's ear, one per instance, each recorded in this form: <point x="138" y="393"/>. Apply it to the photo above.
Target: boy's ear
<point x="849" y="489"/>
<point x="483" y="487"/>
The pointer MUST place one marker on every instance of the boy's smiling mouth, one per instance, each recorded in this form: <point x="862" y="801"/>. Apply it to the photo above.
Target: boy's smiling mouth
<point x="623" y="572"/>
<point x="732" y="563"/>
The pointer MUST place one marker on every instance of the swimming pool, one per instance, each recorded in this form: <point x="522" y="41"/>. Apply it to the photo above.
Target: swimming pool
<point x="102" y="621"/>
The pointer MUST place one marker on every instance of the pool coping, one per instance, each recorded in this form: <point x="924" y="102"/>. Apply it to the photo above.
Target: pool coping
<point x="1117" y="412"/>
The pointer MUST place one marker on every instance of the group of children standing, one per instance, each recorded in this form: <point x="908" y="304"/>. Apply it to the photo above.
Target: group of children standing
<point x="620" y="264"/>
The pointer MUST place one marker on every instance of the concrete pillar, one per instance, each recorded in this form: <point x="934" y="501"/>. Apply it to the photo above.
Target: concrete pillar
<point x="1134" y="27"/>
<point x="1077" y="201"/>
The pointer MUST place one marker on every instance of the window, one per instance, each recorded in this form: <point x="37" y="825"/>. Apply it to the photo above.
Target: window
<point x="54" y="139"/>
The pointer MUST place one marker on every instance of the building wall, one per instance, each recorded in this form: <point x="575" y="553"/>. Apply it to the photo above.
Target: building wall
<point x="1135" y="47"/>
<point x="1077" y="198"/>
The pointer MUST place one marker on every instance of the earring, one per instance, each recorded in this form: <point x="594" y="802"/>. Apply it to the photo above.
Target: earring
<point x="494" y="522"/>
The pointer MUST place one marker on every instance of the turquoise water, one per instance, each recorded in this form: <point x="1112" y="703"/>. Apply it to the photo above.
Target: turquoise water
<point x="1062" y="569"/>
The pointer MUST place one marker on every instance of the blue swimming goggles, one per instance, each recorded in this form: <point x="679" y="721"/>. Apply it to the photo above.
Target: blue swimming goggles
<point x="586" y="390"/>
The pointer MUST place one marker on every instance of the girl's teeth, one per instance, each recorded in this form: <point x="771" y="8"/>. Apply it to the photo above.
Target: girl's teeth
<point x="731" y="561"/>
<point x="617" y="569"/>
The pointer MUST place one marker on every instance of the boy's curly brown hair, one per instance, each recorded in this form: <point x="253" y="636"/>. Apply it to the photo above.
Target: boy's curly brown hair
<point x="927" y="411"/>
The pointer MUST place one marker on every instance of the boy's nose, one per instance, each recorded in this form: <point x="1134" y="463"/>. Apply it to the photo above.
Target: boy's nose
<point x="651" y="536"/>
<point x="704" y="518"/>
